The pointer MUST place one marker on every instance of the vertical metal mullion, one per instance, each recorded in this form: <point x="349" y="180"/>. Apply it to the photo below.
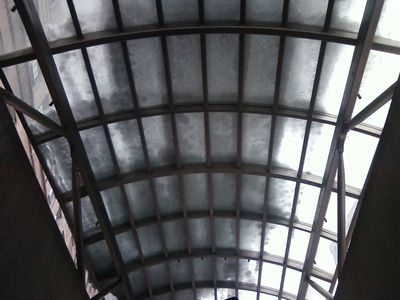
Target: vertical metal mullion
<point x="341" y="211"/>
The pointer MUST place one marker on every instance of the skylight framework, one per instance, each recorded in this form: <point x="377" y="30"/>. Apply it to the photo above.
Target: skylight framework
<point x="195" y="131"/>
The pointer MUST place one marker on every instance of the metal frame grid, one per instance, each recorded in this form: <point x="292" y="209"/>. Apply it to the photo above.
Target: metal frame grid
<point x="43" y="51"/>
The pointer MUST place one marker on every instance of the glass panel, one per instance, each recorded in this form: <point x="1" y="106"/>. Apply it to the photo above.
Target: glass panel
<point x="226" y="268"/>
<point x="99" y="257"/>
<point x="58" y="160"/>
<point x="289" y="137"/>
<point x="267" y="297"/>
<point x="389" y="21"/>
<point x="308" y="12"/>
<point x="313" y="294"/>
<point x="331" y="213"/>
<point x="175" y="239"/>
<point x="222" y="66"/>
<point x="140" y="199"/>
<point x="185" y="65"/>
<point x="299" y="244"/>
<point x="247" y="295"/>
<point x="184" y="295"/>
<point x="248" y="271"/>
<point x="74" y="77"/>
<point x="168" y="195"/>
<point x="255" y="131"/>
<point x="190" y="128"/>
<point x="326" y="258"/>
<point x="158" y="134"/>
<point x="223" y="135"/>
<point x="223" y="294"/>
<point x="203" y="268"/>
<point x="137" y="282"/>
<point x="347" y="15"/>
<point x="127" y="145"/>
<point x="222" y="10"/>
<point x="224" y="188"/>
<point x="115" y="206"/>
<point x="157" y="275"/>
<point x="250" y="235"/>
<point x="264" y="10"/>
<point x="148" y="71"/>
<point x="292" y="281"/>
<point x="138" y="12"/>
<point x="275" y="239"/>
<point x="150" y="240"/>
<point x="111" y="78"/>
<point x="359" y="150"/>
<point x="253" y="193"/>
<point x="318" y="147"/>
<point x="196" y="191"/>
<point x="127" y="247"/>
<point x="98" y="152"/>
<point x="260" y="61"/>
<point x="271" y="275"/>
<point x="378" y="118"/>
<point x="299" y="66"/>
<point x="335" y="70"/>
<point x="225" y="233"/>
<point x="199" y="232"/>
<point x="95" y="15"/>
<point x="90" y="223"/>
<point x="205" y="294"/>
<point x="180" y="270"/>
<point x="307" y="203"/>
<point x="280" y="197"/>
<point x="181" y="11"/>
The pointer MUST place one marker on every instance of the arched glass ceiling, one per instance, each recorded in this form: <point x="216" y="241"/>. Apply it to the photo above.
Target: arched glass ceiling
<point x="207" y="135"/>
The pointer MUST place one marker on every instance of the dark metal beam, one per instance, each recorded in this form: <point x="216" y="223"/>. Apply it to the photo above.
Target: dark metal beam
<point x="48" y="67"/>
<point x="341" y="210"/>
<point x="106" y="290"/>
<point x="320" y="289"/>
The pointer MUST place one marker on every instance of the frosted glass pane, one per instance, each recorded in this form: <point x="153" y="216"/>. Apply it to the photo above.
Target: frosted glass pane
<point x="335" y="70"/>
<point x="318" y="147"/>
<point x="289" y="135"/>
<point x="184" y="295"/>
<point x="180" y="11"/>
<point x="190" y="127"/>
<point x="264" y="10"/>
<point x="98" y="152"/>
<point x="158" y="134"/>
<point x="74" y="77"/>
<point x="111" y="78"/>
<point x="378" y="118"/>
<point x="225" y="233"/>
<point x="168" y="195"/>
<point x="222" y="10"/>
<point x="326" y="258"/>
<point x="223" y="294"/>
<point x="255" y="140"/>
<point x="224" y="187"/>
<point x="299" y="244"/>
<point x="247" y="295"/>
<point x="115" y="206"/>
<point x="252" y="193"/>
<point x="138" y="12"/>
<point x="205" y="294"/>
<point x="280" y="197"/>
<point x="250" y="235"/>
<point x="157" y="275"/>
<point x="267" y="297"/>
<point x="55" y="18"/>
<point x="127" y="145"/>
<point x="127" y="246"/>
<point x="307" y="203"/>
<point x="359" y="150"/>
<point x="175" y="235"/>
<point x="148" y="71"/>
<point x="137" y="282"/>
<point x="292" y="281"/>
<point x="58" y="160"/>
<point x="199" y="232"/>
<point x="331" y="213"/>
<point x="95" y="15"/>
<point x="180" y="270"/>
<point x="222" y="66"/>
<point x="248" y="271"/>
<point x="275" y="239"/>
<point x="140" y="199"/>
<point x="299" y="66"/>
<point x="389" y="21"/>
<point x="99" y="257"/>
<point x="347" y="15"/>
<point x="223" y="136"/>
<point x="203" y="268"/>
<point x="196" y="191"/>
<point x="90" y="223"/>
<point x="260" y="61"/>
<point x="313" y="294"/>
<point x="226" y="268"/>
<point x="150" y="240"/>
<point x="185" y="65"/>
<point x="308" y="12"/>
<point x="271" y="275"/>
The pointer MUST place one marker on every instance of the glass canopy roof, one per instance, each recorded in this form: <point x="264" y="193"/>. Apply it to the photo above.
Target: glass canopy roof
<point x="205" y="135"/>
